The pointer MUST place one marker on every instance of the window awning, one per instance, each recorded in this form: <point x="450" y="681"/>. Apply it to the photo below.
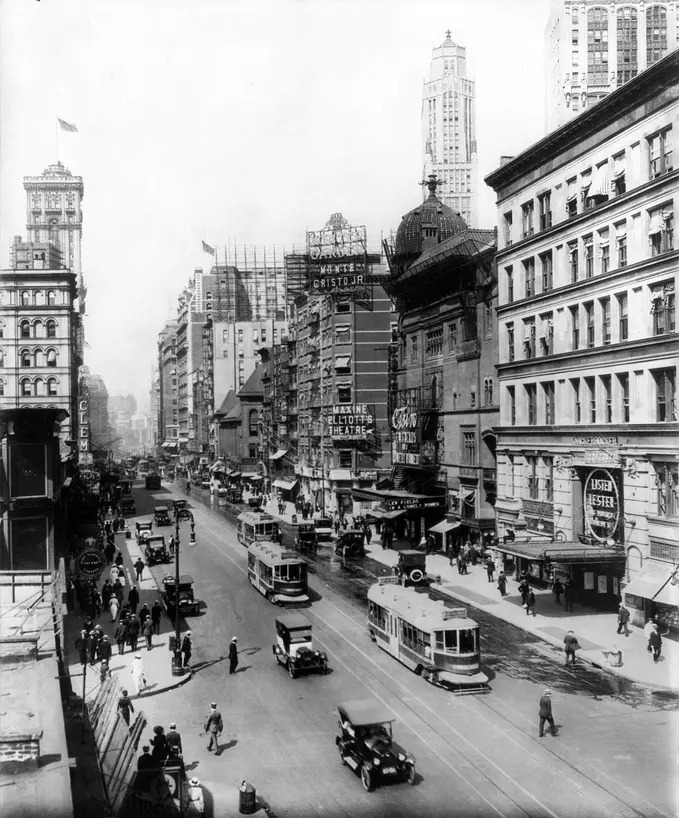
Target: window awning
<point x="600" y="185"/>
<point x="380" y="513"/>
<point x="342" y="361"/>
<point x="182" y="440"/>
<point x="217" y="466"/>
<point x="574" y="553"/>
<point x="654" y="582"/>
<point x="277" y="455"/>
<point x="286" y="485"/>
<point x="656" y="225"/>
<point x="170" y="444"/>
<point x="251" y="475"/>
<point x="444" y="526"/>
<point x="469" y="497"/>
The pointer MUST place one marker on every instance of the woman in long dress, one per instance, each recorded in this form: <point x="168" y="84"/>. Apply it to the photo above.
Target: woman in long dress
<point x="113" y="607"/>
<point x="138" y="678"/>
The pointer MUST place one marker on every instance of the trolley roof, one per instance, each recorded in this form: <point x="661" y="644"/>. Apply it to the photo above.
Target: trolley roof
<point x="273" y="552"/>
<point x="419" y="610"/>
<point x="366" y="711"/>
<point x="256" y="517"/>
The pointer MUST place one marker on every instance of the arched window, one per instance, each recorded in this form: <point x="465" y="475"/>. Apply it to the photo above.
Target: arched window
<point x="25" y="329"/>
<point x="51" y="357"/>
<point x="39" y="297"/>
<point x="25" y="298"/>
<point x="253" y="419"/>
<point x="26" y="358"/>
<point x="52" y="384"/>
<point x="38" y="386"/>
<point x="488" y="391"/>
<point x="2" y="357"/>
<point x="51" y="329"/>
<point x="434" y="391"/>
<point x="25" y="387"/>
<point x="51" y="297"/>
<point x="38" y="329"/>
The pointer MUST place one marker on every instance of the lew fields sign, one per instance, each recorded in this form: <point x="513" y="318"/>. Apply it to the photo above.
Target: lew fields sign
<point x="352" y="421"/>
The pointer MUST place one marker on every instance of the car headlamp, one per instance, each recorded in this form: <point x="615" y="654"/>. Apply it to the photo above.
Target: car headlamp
<point x="401" y="757"/>
<point x="377" y="762"/>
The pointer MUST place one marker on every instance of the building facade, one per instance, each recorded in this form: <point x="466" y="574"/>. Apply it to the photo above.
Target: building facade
<point x="449" y="129"/>
<point x="168" y="411"/>
<point x="588" y="433"/>
<point x="591" y="48"/>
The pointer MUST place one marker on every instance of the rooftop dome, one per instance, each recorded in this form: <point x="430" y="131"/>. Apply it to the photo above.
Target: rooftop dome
<point x="432" y="214"/>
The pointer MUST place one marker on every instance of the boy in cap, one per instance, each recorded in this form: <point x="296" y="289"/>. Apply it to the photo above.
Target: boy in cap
<point x="546" y="713"/>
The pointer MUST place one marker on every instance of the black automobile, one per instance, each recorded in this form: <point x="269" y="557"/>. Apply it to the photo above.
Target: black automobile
<point x="293" y="648"/>
<point x="411" y="567"/>
<point x="128" y="506"/>
<point x="350" y="543"/>
<point x="161" y="516"/>
<point x="152" y="481"/>
<point x="306" y="536"/>
<point x="234" y="494"/>
<point x="155" y="550"/>
<point x="365" y="743"/>
<point x="181" y="595"/>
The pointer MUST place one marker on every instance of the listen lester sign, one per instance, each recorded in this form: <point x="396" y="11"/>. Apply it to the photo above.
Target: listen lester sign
<point x="602" y="504"/>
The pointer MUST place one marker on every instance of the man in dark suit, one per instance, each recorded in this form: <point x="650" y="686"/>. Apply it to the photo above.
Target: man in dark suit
<point x="546" y="713"/>
<point x="174" y="738"/>
<point x="214" y="726"/>
<point x="233" y="655"/>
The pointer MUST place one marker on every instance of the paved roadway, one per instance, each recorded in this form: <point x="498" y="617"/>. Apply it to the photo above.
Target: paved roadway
<point x="476" y="755"/>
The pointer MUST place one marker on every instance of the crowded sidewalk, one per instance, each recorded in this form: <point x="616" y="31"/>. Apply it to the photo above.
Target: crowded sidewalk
<point x="596" y="632"/>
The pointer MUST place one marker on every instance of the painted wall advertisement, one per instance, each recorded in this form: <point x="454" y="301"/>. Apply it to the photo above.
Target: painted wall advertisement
<point x="406" y="444"/>
<point x="352" y="421"/>
<point x="602" y="505"/>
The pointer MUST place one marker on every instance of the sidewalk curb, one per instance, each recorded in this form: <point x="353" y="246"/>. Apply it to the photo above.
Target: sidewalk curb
<point x="550" y="641"/>
<point x="181" y="680"/>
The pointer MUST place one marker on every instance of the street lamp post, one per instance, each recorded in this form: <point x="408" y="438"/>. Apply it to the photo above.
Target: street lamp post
<point x="179" y="514"/>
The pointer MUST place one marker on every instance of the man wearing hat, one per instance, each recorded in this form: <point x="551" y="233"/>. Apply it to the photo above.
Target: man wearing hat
<point x="546" y="713"/>
<point x="233" y="655"/>
<point x="174" y="738"/>
<point x="186" y="648"/>
<point x="214" y="726"/>
<point x="145" y="768"/>
<point x="105" y="649"/>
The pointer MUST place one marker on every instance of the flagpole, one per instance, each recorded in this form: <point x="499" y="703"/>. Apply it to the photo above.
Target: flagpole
<point x="56" y="134"/>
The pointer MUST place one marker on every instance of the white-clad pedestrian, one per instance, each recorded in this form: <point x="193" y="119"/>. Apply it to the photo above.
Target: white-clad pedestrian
<point x="114" y="573"/>
<point x="138" y="678"/>
<point x="114" y="607"/>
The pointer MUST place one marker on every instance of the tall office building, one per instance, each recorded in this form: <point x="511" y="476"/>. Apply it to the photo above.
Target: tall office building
<point x="449" y="129"/>
<point x="592" y="48"/>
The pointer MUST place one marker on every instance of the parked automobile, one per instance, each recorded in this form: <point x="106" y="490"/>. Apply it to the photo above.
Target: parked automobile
<point x="126" y="486"/>
<point x="324" y="529"/>
<point x="161" y="515"/>
<point x="144" y="530"/>
<point x="152" y="481"/>
<point x="234" y="494"/>
<point x="365" y="743"/>
<point x="306" y="536"/>
<point x="179" y="505"/>
<point x="350" y="543"/>
<point x="155" y="550"/>
<point x="411" y="567"/>
<point x="293" y="647"/>
<point x="128" y="506"/>
<point x="255" y="502"/>
<point x="181" y="595"/>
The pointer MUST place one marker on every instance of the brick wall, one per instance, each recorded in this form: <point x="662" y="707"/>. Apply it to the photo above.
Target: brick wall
<point x="19" y="752"/>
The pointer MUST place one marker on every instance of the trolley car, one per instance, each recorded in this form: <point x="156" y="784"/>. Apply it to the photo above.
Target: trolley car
<point x="441" y="644"/>
<point x="277" y="573"/>
<point x="256" y="526"/>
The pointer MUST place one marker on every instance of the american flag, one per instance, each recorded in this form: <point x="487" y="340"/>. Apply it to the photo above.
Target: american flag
<point x="65" y="126"/>
<point x="208" y="249"/>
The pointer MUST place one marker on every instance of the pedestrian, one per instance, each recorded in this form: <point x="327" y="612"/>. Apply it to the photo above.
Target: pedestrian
<point x="133" y="598"/>
<point x="570" y="645"/>
<point x="186" y="649"/>
<point x="557" y="590"/>
<point x="96" y="637"/>
<point x="119" y="560"/>
<point x="109" y="552"/>
<point x="546" y="713"/>
<point x="125" y="706"/>
<point x="139" y="568"/>
<point x="106" y="594"/>
<point x="648" y="630"/>
<point x="156" y="614"/>
<point x="82" y="645"/>
<point x="368" y="533"/>
<point x="502" y="583"/>
<point x="655" y="641"/>
<point x="95" y="602"/>
<point x="159" y="741"/>
<point x="147" y="632"/>
<point x="171" y="545"/>
<point x="623" y="619"/>
<point x="104" y="671"/>
<point x="120" y="635"/>
<point x="138" y="677"/>
<point x="144" y="614"/>
<point x="233" y="655"/>
<point x="530" y="602"/>
<point x="214" y="726"/>
<point x="145" y="770"/>
<point x="133" y="627"/>
<point x="568" y="595"/>
<point x="195" y="804"/>
<point x="490" y="569"/>
<point x="118" y="591"/>
<point x="105" y="649"/>
<point x="524" y="588"/>
<point x="174" y="738"/>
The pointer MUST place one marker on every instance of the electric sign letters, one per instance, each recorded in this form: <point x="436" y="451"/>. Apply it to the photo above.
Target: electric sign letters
<point x="405" y="437"/>
<point x="352" y="421"/>
<point x="602" y="504"/>
<point x="337" y="257"/>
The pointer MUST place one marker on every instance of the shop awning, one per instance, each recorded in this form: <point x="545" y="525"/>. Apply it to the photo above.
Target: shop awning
<point x="251" y="475"/>
<point x="219" y="466"/>
<point x="654" y="582"/>
<point x="444" y="526"/>
<point x="277" y="455"/>
<point x="562" y="552"/>
<point x="170" y="444"/>
<point x="286" y="485"/>
<point x="233" y="473"/>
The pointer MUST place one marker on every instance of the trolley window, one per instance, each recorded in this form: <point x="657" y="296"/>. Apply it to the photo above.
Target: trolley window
<point x="265" y="573"/>
<point x="446" y="641"/>
<point x="267" y="528"/>
<point x="467" y="641"/>
<point x="413" y="638"/>
<point x="377" y="615"/>
<point x="251" y="561"/>
<point x="288" y="573"/>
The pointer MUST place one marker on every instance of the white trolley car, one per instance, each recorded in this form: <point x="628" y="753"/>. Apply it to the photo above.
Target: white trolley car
<point x="256" y="526"/>
<point x="277" y="573"/>
<point x="441" y="644"/>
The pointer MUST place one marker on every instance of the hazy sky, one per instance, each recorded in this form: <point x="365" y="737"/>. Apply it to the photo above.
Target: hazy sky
<point x="237" y="121"/>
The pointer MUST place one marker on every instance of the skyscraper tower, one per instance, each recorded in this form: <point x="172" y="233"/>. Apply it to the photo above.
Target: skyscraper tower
<point x="449" y="129"/>
<point x="591" y="48"/>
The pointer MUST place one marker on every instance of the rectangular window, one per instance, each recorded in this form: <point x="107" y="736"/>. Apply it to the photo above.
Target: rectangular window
<point x="547" y="333"/>
<point x="529" y="338"/>
<point x="572" y="198"/>
<point x="413" y="349"/>
<point x="589" y="322"/>
<point x="605" y="305"/>
<point x="452" y="337"/>
<point x="575" y="326"/>
<point x="623" y="386"/>
<point x="508" y="228"/>
<point x="548" y="394"/>
<point x="545" y="204"/>
<point x="472" y="399"/>
<point x="604" y="252"/>
<point x="527" y="214"/>
<point x="607" y="393"/>
<point x="588" y="253"/>
<point x="529" y="277"/>
<point x="345" y="458"/>
<point x="510" y="342"/>
<point x="663" y="308"/>
<point x="547" y="271"/>
<point x="665" y="386"/>
<point x="532" y="475"/>
<point x="488" y="319"/>
<point x="621" y="244"/>
<point x="344" y="393"/>
<point x="263" y="335"/>
<point x="661" y="230"/>
<point x="342" y="333"/>
<point x="511" y="474"/>
<point x="509" y="271"/>
<point x="433" y="343"/>
<point x="548" y="463"/>
<point x="511" y="398"/>
<point x="667" y="482"/>
<point x="660" y="153"/>
<point x="619" y="185"/>
<point x="531" y="403"/>
<point x="623" y="318"/>
<point x="468" y="447"/>
<point x="577" y="404"/>
<point x="573" y="260"/>
<point x="590" y="385"/>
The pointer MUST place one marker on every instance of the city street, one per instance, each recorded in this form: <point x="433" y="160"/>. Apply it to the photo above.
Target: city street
<point x="476" y="755"/>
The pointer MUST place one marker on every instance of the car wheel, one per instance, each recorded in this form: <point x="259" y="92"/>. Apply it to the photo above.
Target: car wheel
<point x="367" y="779"/>
<point x="340" y="747"/>
<point x="410" y="773"/>
<point x="416" y="575"/>
<point x="292" y="671"/>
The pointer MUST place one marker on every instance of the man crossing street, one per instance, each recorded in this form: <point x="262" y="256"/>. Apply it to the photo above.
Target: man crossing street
<point x="214" y="726"/>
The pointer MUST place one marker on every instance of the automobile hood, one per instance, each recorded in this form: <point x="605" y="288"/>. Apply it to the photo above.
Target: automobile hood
<point x="380" y="748"/>
<point x="299" y="649"/>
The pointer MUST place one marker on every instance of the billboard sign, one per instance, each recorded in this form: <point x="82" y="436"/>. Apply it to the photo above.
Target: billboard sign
<point x="406" y="444"/>
<point x="337" y="256"/>
<point x="352" y="421"/>
<point x="602" y="504"/>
